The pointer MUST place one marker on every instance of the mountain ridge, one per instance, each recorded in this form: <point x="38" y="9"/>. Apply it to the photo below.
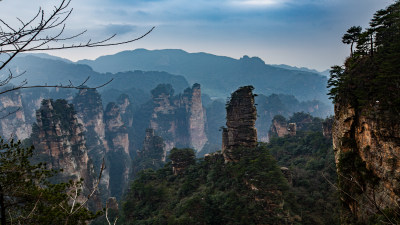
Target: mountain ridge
<point x="219" y="75"/>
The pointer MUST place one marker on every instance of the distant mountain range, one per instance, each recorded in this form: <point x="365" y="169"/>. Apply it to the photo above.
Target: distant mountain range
<point x="325" y="72"/>
<point x="45" y="69"/>
<point x="218" y="75"/>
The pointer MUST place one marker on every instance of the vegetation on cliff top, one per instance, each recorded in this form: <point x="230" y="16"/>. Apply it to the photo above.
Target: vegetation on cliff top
<point x="371" y="75"/>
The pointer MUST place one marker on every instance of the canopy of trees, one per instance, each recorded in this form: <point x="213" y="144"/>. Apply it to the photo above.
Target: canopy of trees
<point x="211" y="192"/>
<point x="371" y="76"/>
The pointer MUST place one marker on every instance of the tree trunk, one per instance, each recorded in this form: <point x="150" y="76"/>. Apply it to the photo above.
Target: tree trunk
<point x="351" y="49"/>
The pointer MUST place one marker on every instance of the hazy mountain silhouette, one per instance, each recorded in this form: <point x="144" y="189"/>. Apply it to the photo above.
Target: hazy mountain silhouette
<point x="218" y="75"/>
<point x="53" y="71"/>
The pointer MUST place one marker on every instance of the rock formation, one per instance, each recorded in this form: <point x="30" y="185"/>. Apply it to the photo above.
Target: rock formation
<point x="116" y="129"/>
<point x="13" y="125"/>
<point x="196" y="117"/>
<point x="59" y="139"/>
<point x="179" y="120"/>
<point x="279" y="127"/>
<point x="89" y="109"/>
<point x="241" y="116"/>
<point x="367" y="152"/>
<point x="117" y="136"/>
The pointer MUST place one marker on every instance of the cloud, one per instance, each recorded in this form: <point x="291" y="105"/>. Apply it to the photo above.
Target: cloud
<point x="119" y="28"/>
<point x="295" y="30"/>
<point x="258" y="3"/>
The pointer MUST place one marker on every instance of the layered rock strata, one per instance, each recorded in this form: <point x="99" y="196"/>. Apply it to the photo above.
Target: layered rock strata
<point x="60" y="142"/>
<point x="367" y="153"/>
<point x="89" y="107"/>
<point x="241" y="115"/>
<point x="118" y="155"/>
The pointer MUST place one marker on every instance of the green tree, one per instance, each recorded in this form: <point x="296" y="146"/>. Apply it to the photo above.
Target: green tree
<point x="27" y="196"/>
<point x="335" y="81"/>
<point x="182" y="158"/>
<point x="352" y="36"/>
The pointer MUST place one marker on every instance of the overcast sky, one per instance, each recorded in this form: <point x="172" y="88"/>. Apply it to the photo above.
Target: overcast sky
<point x="303" y="33"/>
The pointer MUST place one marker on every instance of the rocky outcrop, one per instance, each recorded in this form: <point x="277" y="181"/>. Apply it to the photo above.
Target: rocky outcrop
<point x="366" y="143"/>
<point x="13" y="122"/>
<point x="116" y="129"/>
<point x="197" y="117"/>
<point x="241" y="116"/>
<point x="59" y="139"/>
<point x="280" y="127"/>
<point x="89" y="110"/>
<point x="179" y="120"/>
<point x="117" y="136"/>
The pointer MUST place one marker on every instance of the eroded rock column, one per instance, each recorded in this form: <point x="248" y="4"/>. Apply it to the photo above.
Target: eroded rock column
<point x="241" y="115"/>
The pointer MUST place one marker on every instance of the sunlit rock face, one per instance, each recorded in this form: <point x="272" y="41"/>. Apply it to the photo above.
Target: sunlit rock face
<point x="179" y="120"/>
<point x="59" y="140"/>
<point x="241" y="115"/>
<point x="367" y="151"/>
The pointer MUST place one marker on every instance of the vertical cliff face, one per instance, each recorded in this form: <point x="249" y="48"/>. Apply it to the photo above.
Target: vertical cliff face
<point x="89" y="110"/>
<point x="14" y="122"/>
<point x="116" y="129"/>
<point x="197" y="117"/>
<point x="59" y="139"/>
<point x="367" y="151"/>
<point x="241" y="116"/>
<point x="117" y="136"/>
<point x="180" y="119"/>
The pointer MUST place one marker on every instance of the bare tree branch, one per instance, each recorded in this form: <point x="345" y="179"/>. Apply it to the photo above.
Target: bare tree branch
<point x="37" y="34"/>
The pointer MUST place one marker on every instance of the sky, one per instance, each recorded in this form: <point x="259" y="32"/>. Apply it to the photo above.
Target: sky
<point x="302" y="33"/>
